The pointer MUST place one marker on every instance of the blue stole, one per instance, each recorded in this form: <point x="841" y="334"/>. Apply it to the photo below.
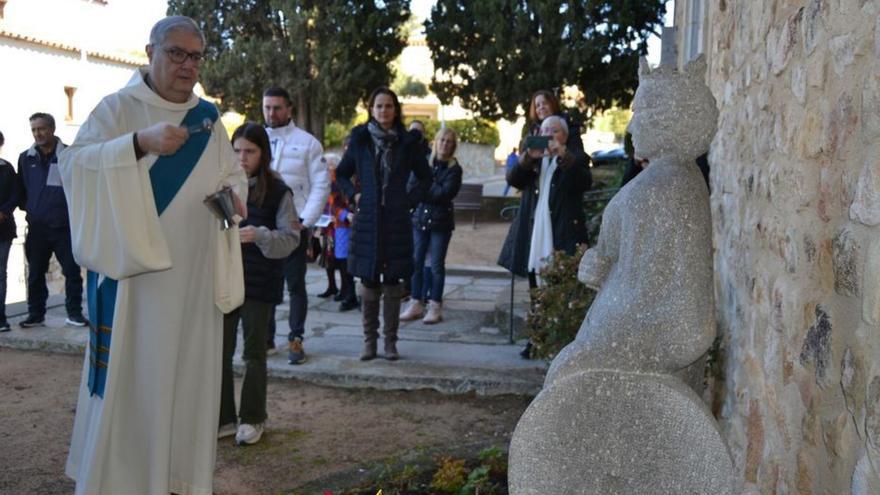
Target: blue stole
<point x="167" y="176"/>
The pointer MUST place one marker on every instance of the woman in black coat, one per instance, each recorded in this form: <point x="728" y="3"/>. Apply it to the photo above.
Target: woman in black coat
<point x="566" y="176"/>
<point x="382" y="154"/>
<point x="433" y="223"/>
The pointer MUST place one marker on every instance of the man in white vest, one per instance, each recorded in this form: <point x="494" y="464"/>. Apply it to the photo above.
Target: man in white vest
<point x="299" y="158"/>
<point x="161" y="275"/>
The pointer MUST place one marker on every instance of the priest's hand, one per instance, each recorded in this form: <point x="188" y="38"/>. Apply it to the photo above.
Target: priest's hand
<point x="247" y="234"/>
<point x="162" y="138"/>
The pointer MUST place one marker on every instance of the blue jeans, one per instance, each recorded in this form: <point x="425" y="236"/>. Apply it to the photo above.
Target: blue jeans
<point x="4" y="259"/>
<point x="438" y="242"/>
<point x="295" y="277"/>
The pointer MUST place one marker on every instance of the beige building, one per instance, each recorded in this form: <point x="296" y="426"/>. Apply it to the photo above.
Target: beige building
<point x="62" y="57"/>
<point x="796" y="209"/>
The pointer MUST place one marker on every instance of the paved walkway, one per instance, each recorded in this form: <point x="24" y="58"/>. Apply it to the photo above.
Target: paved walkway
<point x="468" y="352"/>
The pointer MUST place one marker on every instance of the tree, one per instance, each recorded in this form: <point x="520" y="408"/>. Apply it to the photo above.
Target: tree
<point x="328" y="54"/>
<point x="409" y="86"/>
<point x="494" y="54"/>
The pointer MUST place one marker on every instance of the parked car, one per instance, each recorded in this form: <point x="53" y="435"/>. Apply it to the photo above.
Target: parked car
<point x="609" y="157"/>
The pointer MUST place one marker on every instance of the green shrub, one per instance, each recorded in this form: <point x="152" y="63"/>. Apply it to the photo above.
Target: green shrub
<point x="477" y="131"/>
<point x="494" y="459"/>
<point x="450" y="476"/>
<point x="334" y="134"/>
<point x="560" y="304"/>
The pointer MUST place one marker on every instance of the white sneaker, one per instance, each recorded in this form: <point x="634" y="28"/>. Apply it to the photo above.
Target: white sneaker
<point x="248" y="434"/>
<point x="226" y="430"/>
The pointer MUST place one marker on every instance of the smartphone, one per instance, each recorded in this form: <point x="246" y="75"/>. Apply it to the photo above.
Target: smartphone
<point x="537" y="142"/>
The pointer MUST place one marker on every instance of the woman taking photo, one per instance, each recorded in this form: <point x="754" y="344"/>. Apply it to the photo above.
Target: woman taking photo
<point x="553" y="179"/>
<point x="544" y="104"/>
<point x="382" y="154"/>
<point x="267" y="237"/>
<point x="433" y="223"/>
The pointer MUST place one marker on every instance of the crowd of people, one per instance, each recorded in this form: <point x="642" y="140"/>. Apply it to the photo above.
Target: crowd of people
<point x="168" y="289"/>
<point x="34" y="186"/>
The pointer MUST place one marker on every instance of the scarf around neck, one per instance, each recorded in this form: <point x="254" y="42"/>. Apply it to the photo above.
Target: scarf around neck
<point x="383" y="141"/>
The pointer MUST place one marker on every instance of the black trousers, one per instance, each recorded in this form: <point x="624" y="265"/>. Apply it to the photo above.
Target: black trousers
<point x="39" y="245"/>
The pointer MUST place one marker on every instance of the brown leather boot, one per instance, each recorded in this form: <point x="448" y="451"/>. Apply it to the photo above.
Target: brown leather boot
<point x="370" y="320"/>
<point x="391" y="316"/>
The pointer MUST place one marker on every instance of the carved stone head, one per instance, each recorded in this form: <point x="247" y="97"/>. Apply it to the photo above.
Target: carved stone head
<point x="674" y="113"/>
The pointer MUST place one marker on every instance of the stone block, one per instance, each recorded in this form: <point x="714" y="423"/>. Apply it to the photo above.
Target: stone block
<point x="866" y="479"/>
<point x="838" y="126"/>
<point x="852" y="382"/>
<point x="845" y="257"/>
<point x="755" y="442"/>
<point x="872" y="412"/>
<point x="816" y="349"/>
<point x="871" y="285"/>
<point x="865" y="207"/>
<point x="781" y="51"/>
<point x="877" y="38"/>
<point x="843" y="50"/>
<point x="810" y="127"/>
<point x="871" y="106"/>
<point x="817" y="70"/>
<point x="799" y="84"/>
<point x="813" y="25"/>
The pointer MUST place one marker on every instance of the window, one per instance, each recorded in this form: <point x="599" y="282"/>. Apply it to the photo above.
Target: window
<point x="69" y="91"/>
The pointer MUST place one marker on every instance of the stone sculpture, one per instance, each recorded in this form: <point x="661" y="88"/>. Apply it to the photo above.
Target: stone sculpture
<point x="613" y="417"/>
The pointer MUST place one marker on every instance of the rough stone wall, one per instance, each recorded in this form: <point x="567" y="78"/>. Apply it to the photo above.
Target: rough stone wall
<point x="796" y="210"/>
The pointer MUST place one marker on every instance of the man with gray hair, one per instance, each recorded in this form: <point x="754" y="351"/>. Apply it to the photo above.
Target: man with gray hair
<point x="161" y="275"/>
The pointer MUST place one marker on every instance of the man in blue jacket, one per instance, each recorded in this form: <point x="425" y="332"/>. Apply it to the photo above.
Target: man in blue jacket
<point x="48" y="231"/>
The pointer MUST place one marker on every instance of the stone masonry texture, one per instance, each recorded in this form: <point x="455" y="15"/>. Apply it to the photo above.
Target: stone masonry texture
<point x="796" y="218"/>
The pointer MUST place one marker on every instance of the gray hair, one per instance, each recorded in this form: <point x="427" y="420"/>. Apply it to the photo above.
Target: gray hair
<point x="171" y="23"/>
<point x="554" y="119"/>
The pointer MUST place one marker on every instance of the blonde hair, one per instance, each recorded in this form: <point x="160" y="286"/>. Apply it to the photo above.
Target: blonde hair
<point x="442" y="132"/>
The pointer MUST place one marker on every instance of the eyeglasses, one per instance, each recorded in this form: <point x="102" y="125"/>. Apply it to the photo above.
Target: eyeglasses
<point x="179" y="56"/>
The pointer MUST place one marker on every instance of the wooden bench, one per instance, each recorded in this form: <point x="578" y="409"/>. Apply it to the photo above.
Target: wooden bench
<point x="470" y="198"/>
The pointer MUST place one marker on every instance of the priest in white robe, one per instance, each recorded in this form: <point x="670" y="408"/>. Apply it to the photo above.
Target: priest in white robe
<point x="161" y="273"/>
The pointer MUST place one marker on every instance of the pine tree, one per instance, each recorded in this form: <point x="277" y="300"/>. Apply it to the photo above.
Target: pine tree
<point x="329" y="54"/>
<point x="494" y="54"/>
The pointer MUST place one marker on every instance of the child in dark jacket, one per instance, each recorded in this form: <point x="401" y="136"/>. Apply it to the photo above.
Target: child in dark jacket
<point x="267" y="237"/>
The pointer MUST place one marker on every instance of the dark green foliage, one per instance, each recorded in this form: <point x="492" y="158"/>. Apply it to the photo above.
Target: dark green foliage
<point x="409" y="86"/>
<point x="495" y="53"/>
<point x="476" y="131"/>
<point x="560" y="305"/>
<point x="328" y="54"/>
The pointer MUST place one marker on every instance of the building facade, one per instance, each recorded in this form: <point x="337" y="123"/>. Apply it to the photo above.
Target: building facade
<point x="796" y="214"/>
<point x="62" y="57"/>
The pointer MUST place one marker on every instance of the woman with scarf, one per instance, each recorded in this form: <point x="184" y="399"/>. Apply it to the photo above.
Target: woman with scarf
<point x="433" y="223"/>
<point x="551" y="213"/>
<point x="382" y="154"/>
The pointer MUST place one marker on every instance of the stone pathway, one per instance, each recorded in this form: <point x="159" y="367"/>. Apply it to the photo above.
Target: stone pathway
<point x="469" y="351"/>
